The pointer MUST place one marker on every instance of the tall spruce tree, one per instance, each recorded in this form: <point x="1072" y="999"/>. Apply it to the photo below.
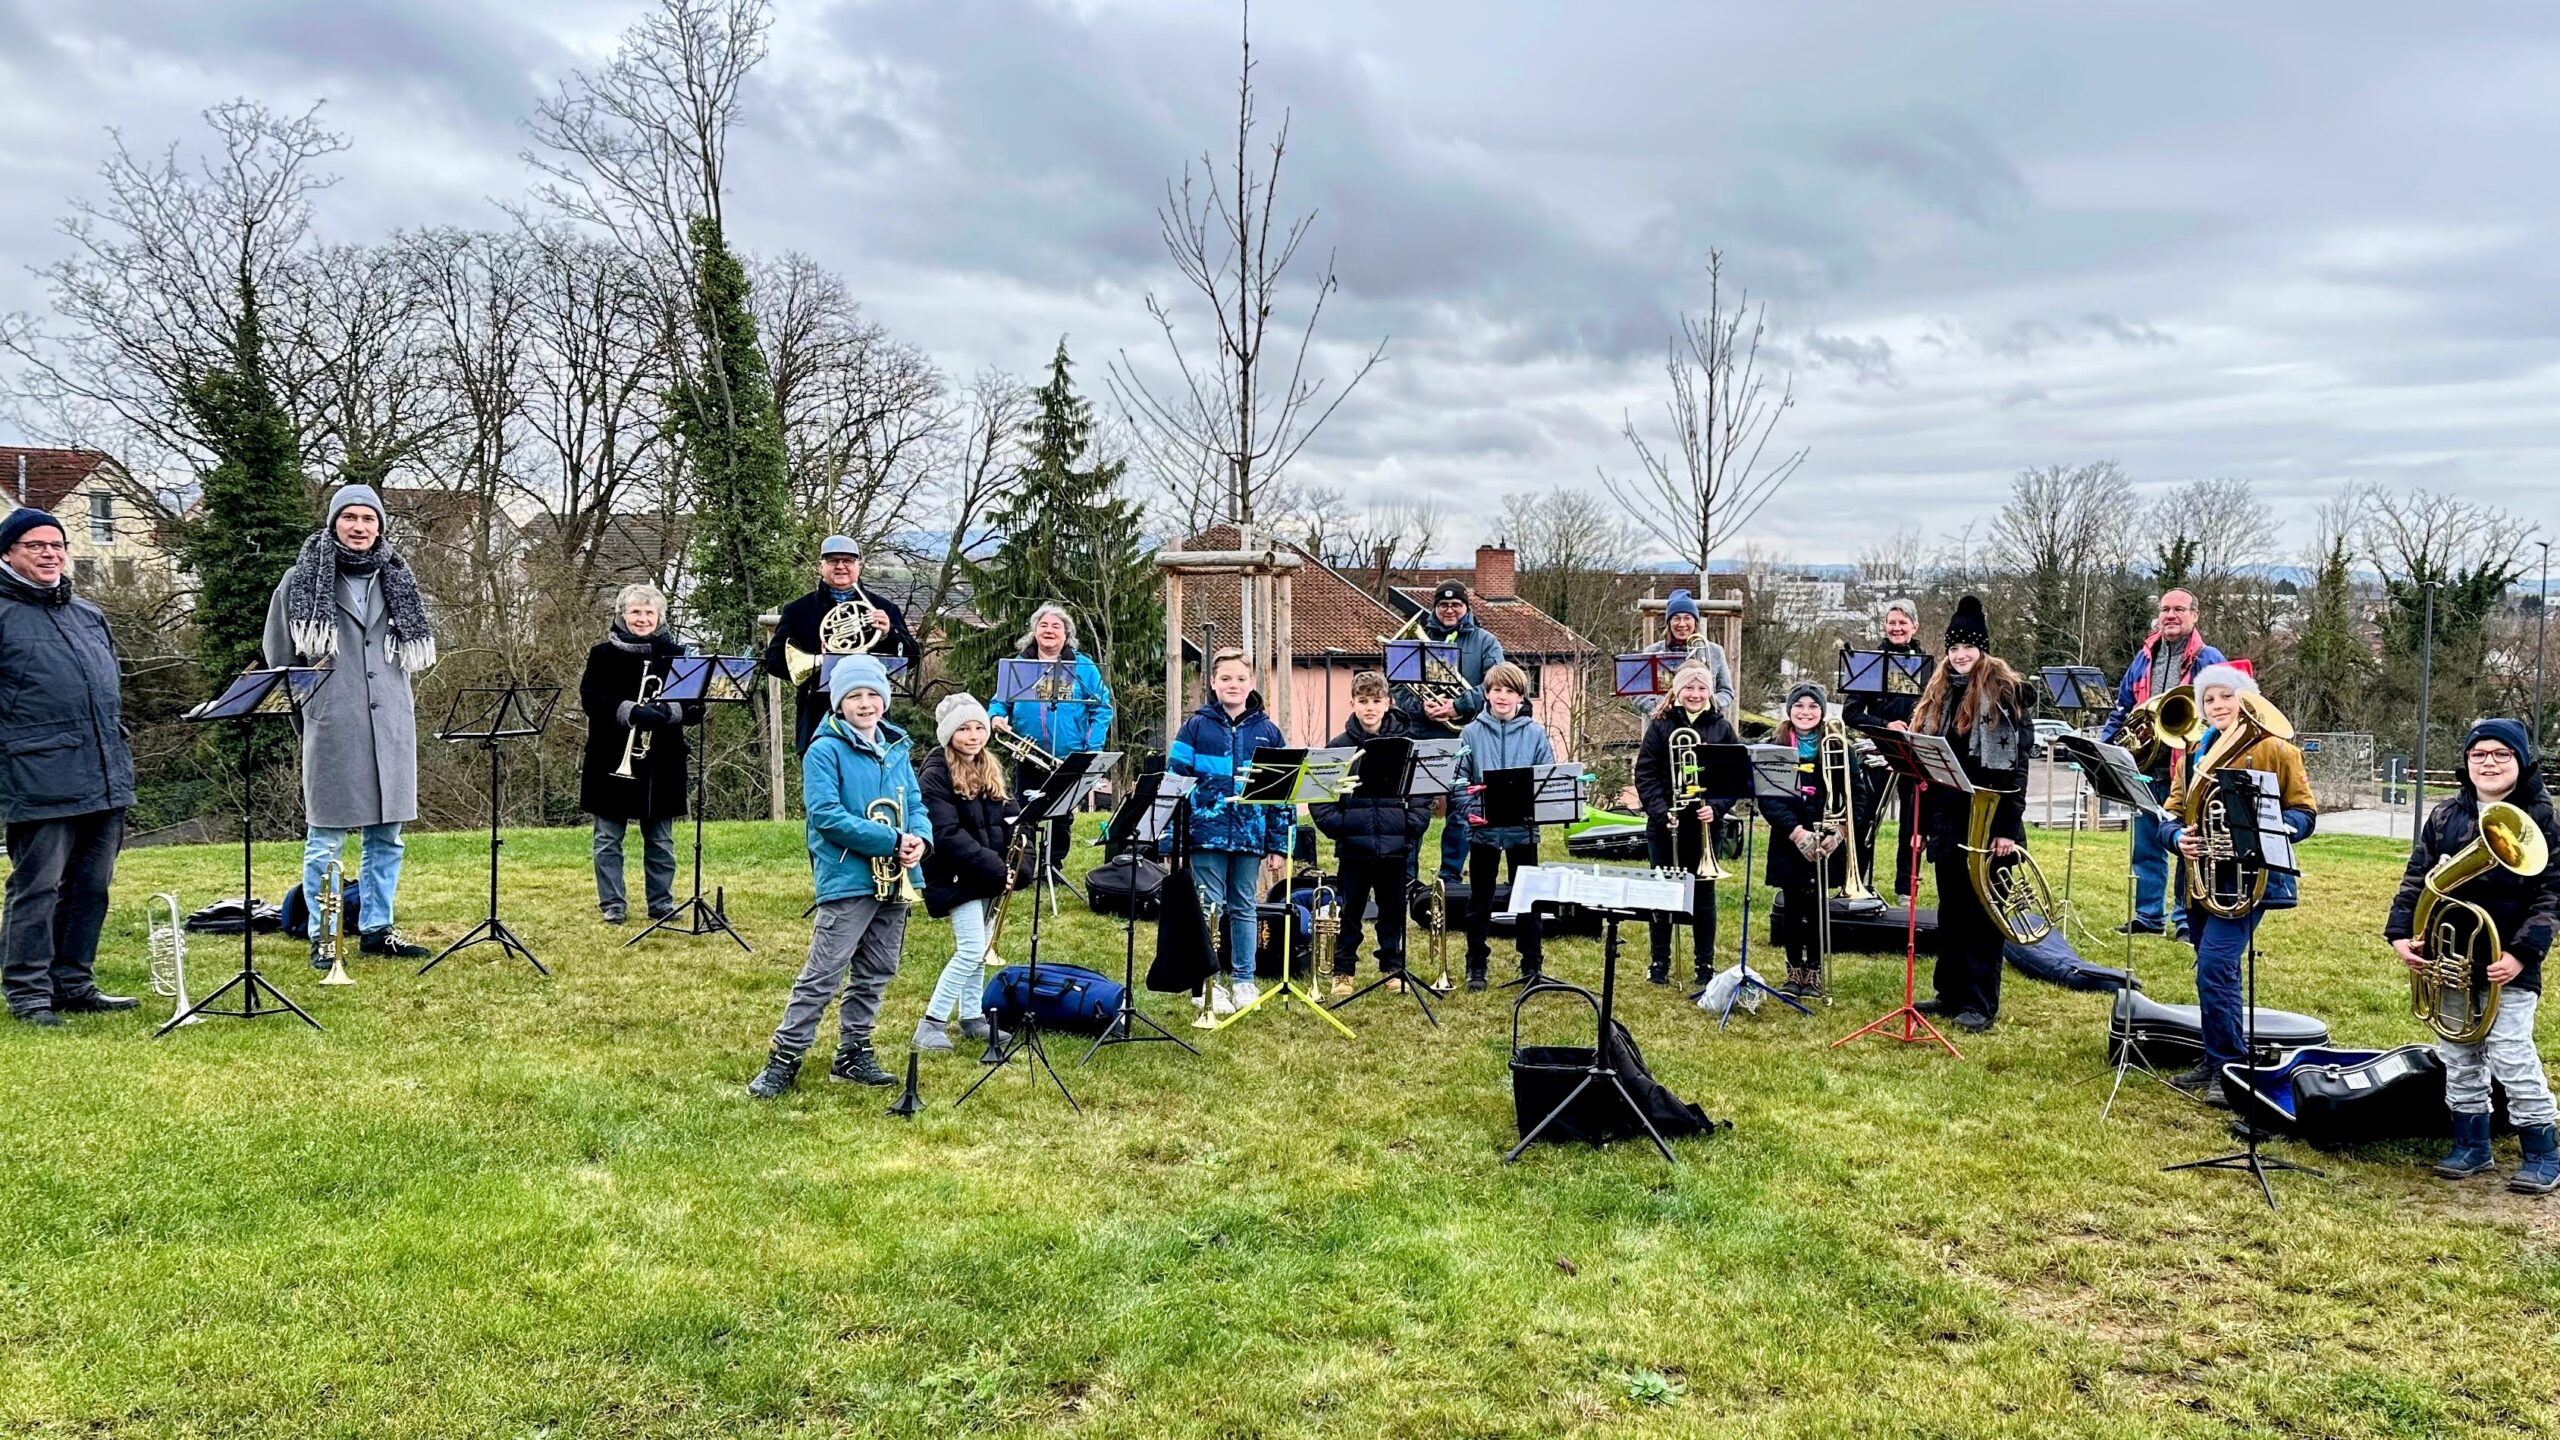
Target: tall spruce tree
<point x="254" y="512"/>
<point x="2330" y="673"/>
<point x="745" y="539"/>
<point x="1066" y="535"/>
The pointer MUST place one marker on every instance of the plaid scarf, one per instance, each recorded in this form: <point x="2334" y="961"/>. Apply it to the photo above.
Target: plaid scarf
<point x="311" y="600"/>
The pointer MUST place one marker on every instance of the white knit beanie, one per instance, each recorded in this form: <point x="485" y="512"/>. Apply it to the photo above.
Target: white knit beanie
<point x="955" y="711"/>
<point x="2231" y="677"/>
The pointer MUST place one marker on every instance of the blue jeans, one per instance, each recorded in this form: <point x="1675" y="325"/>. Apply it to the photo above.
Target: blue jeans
<point x="1232" y="881"/>
<point x="2222" y="947"/>
<point x="375" y="886"/>
<point x="2151" y="887"/>
<point x="960" y="992"/>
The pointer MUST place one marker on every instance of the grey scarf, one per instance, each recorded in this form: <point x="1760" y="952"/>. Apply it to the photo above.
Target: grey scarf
<point x="311" y="600"/>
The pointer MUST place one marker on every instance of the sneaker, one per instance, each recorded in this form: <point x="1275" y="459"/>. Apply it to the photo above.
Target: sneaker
<point x="319" y="961"/>
<point x="1658" y="973"/>
<point x="1342" y="986"/>
<point x="2192" y="1081"/>
<point x="1475" y="980"/>
<point x="1973" y="1022"/>
<point x="387" y="941"/>
<point x="1222" y="999"/>
<point x="2142" y="927"/>
<point x="932" y="1036"/>
<point x="1244" y="993"/>
<point x="855" y="1062"/>
<point x="2212" y="1094"/>
<point x="781" y="1067"/>
<point x="612" y="917"/>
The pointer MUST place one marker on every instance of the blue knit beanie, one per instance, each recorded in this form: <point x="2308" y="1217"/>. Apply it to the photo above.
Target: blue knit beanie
<point x="1680" y="603"/>
<point x="2510" y="733"/>
<point x="22" y="520"/>
<point x="855" y="672"/>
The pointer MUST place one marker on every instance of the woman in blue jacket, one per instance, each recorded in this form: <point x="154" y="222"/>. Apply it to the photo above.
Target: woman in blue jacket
<point x="855" y="760"/>
<point x="1079" y="719"/>
<point x="1231" y="845"/>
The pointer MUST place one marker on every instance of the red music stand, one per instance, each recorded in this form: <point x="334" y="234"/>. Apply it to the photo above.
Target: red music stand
<point x="1923" y="759"/>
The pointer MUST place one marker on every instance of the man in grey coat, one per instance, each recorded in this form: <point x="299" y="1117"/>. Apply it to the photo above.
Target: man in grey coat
<point x="66" y="776"/>
<point x="350" y="603"/>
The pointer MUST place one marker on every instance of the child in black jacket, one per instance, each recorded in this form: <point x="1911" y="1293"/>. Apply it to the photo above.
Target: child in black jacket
<point x="1371" y="838"/>
<point x="1679" y="824"/>
<point x="1804" y="860"/>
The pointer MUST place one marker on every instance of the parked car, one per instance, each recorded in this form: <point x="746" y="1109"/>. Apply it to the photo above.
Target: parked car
<point x="2047" y="731"/>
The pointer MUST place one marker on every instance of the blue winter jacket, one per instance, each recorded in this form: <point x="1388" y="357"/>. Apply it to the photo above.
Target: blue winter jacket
<point x="1478" y="652"/>
<point x="2133" y="673"/>
<point x="1214" y="748"/>
<point x="840" y="777"/>
<point x="1493" y="744"/>
<point x="1062" y="727"/>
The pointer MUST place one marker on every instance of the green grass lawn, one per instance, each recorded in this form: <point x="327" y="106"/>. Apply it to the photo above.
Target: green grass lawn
<point x="485" y="1203"/>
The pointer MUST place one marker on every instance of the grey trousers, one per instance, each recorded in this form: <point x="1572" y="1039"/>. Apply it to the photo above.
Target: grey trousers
<point x="854" y="950"/>
<point x="2507" y="1057"/>
<point x="57" y="903"/>
<point x="657" y="864"/>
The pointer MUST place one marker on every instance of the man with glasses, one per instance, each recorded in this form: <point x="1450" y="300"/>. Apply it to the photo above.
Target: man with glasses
<point x="1452" y="621"/>
<point x="66" y="776"/>
<point x="2172" y="655"/>
<point x="803" y="624"/>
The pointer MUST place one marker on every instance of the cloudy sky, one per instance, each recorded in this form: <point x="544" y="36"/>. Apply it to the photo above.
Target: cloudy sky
<point x="2303" y="243"/>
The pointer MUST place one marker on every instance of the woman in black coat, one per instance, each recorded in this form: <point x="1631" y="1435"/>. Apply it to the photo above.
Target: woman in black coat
<point x="653" y="794"/>
<point x="1979" y="705"/>
<point x="1804" y="860"/>
<point x="1677" y="829"/>
<point x="965" y="873"/>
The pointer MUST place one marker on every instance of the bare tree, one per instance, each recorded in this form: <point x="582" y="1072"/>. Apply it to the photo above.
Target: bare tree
<point x="969" y="472"/>
<point x="1717" y="471"/>
<point x="2056" y="542"/>
<point x="1571" y="546"/>
<point x="1225" y="428"/>
<point x="862" y="413"/>
<point x="1891" y="567"/>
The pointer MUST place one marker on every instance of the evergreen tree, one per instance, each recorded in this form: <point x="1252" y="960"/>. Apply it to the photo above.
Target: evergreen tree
<point x="2331" y="670"/>
<point x="254" y="512"/>
<point x="2178" y="562"/>
<point x="1068" y="536"/>
<point x="746" y="537"/>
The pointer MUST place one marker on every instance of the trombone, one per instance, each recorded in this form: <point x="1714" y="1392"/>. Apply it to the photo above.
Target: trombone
<point x="168" y="948"/>
<point x="1838" y="761"/>
<point x="1685" y="747"/>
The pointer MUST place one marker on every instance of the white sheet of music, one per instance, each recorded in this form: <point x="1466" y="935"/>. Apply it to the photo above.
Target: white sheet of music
<point x="1599" y="888"/>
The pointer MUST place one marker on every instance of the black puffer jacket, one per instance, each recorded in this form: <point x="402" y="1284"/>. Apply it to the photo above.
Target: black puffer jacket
<point x="969" y="836"/>
<point x="1370" y="828"/>
<point x="1803" y="810"/>
<point x="62" y="747"/>
<point x="2524" y="910"/>
<point x="1654" y="787"/>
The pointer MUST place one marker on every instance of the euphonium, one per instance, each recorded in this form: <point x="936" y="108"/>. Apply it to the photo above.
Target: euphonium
<point x="1838" y="760"/>
<point x="1435" y="918"/>
<point x="2453" y="992"/>
<point x="889" y="882"/>
<point x="168" y="947"/>
<point x="635" y="746"/>
<point x="1684" y="747"/>
<point x="2218" y="880"/>
<point x="329" y="924"/>
<point x="2016" y="895"/>
<point x="2170" y="720"/>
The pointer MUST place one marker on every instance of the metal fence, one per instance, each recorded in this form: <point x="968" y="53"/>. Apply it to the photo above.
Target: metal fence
<point x="2340" y="764"/>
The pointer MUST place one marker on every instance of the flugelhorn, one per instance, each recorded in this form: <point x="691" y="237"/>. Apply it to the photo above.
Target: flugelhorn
<point x="2015" y="895"/>
<point x="2218" y="880"/>
<point x="2452" y="991"/>
<point x="329" y="923"/>
<point x="168" y="948"/>
<point x="635" y="746"/>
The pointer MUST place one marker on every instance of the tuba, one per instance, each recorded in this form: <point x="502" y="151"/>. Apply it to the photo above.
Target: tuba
<point x="889" y="882"/>
<point x="1838" y="761"/>
<point x="1685" y="746"/>
<point x="168" y="947"/>
<point x="329" y="924"/>
<point x="2016" y="895"/>
<point x="2219" y="881"/>
<point x="2170" y="720"/>
<point x="635" y="746"/>
<point x="844" y="630"/>
<point x="2453" y="992"/>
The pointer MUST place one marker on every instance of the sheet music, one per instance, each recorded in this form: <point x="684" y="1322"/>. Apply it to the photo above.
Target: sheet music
<point x="2275" y="840"/>
<point x="1599" y="887"/>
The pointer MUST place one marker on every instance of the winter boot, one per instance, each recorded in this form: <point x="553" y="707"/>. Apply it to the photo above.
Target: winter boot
<point x="780" y="1069"/>
<point x="2470" y="1154"/>
<point x="855" y="1062"/>
<point x="2540" y="1172"/>
<point x="933" y="1036"/>
<point x="1659" y="973"/>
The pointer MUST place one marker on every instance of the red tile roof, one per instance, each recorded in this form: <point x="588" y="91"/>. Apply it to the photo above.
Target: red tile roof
<point x="1524" y="630"/>
<point x="51" y="474"/>
<point x="1325" y="610"/>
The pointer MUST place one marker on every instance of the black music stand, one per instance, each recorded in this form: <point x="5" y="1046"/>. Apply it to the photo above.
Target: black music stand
<point x="256" y="695"/>
<point x="1640" y="902"/>
<point x="1142" y="821"/>
<point x="2075" y="689"/>
<point x="1409" y="663"/>
<point x="1873" y="673"/>
<point x="2259" y="840"/>
<point x="484" y="715"/>
<point x="1389" y="768"/>
<point x="1533" y="796"/>
<point x="1925" y="760"/>
<point x="1750" y="774"/>
<point x="2111" y="772"/>
<point x="1074" y="779"/>
<point x="704" y="680"/>
<point x="1291" y="776"/>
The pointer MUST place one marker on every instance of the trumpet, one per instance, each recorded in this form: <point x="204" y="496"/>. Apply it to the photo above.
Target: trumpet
<point x="1435" y="918"/>
<point x="1685" y="745"/>
<point x="2015" y="895"/>
<point x="1206" y="999"/>
<point x="889" y="882"/>
<point x="2170" y="720"/>
<point x="2218" y="880"/>
<point x="329" y="924"/>
<point x="1021" y="749"/>
<point x="635" y="746"/>
<point x="1325" y="921"/>
<point x="168" y="947"/>
<point x="2453" y="992"/>
<point x="848" y="629"/>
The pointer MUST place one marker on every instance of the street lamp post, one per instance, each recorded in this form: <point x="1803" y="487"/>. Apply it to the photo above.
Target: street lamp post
<point x="2541" y="628"/>
<point x="2426" y="674"/>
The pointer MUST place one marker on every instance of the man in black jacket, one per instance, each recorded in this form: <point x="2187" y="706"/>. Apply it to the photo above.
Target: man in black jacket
<point x="1891" y="711"/>
<point x="66" y="776"/>
<point x="2498" y="763"/>
<point x="803" y="626"/>
<point x="1372" y="836"/>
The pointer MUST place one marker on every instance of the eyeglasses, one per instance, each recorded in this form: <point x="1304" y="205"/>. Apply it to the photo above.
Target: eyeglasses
<point x="44" y="547"/>
<point x="2494" y="757"/>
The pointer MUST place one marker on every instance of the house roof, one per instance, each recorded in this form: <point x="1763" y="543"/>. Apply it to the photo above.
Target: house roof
<point x="51" y="474"/>
<point x="1326" y="610"/>
<point x="1523" y="628"/>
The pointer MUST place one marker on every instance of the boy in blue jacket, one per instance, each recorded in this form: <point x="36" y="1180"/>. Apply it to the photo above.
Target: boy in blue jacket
<point x="1231" y="845"/>
<point x="1504" y="737"/>
<point x="855" y="758"/>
